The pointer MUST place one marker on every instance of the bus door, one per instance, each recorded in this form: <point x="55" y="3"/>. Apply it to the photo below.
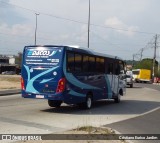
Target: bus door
<point x="115" y="82"/>
<point x="110" y="74"/>
<point x="113" y="75"/>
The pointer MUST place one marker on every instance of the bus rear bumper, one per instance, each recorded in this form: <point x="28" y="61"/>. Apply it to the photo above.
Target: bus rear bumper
<point x="64" y="97"/>
<point x="43" y="96"/>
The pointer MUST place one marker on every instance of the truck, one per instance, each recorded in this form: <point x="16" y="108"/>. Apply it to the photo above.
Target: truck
<point x="141" y="75"/>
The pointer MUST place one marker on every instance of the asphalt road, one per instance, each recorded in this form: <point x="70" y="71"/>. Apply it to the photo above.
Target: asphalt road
<point x="146" y="85"/>
<point x="33" y="116"/>
<point x="145" y="124"/>
<point x="10" y="92"/>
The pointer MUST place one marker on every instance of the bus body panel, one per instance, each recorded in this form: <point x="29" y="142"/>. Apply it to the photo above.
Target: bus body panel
<point x="79" y="85"/>
<point x="41" y="71"/>
<point x="41" y="80"/>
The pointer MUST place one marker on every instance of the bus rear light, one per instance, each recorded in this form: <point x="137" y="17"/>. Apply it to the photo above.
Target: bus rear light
<point x="61" y="85"/>
<point x="22" y="84"/>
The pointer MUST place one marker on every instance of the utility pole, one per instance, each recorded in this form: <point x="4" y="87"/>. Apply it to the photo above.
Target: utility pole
<point x="36" y="28"/>
<point x="158" y="68"/>
<point x="89" y="24"/>
<point x="141" y="54"/>
<point x="133" y="61"/>
<point x="154" y="58"/>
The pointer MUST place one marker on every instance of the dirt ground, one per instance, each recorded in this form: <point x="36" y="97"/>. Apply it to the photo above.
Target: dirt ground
<point x="9" y="82"/>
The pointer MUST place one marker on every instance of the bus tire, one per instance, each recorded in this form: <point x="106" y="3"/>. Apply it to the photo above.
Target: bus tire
<point x="88" y="103"/>
<point x="131" y="85"/>
<point x="53" y="103"/>
<point x="117" y="99"/>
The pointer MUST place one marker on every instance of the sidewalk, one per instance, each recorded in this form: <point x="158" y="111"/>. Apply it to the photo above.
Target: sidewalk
<point x="9" y="92"/>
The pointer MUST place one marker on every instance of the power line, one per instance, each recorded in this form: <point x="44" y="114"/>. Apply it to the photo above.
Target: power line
<point x="108" y="42"/>
<point x="76" y="21"/>
<point x="117" y="29"/>
<point x="150" y="45"/>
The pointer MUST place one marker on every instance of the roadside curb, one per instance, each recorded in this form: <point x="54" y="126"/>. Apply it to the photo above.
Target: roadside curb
<point x="10" y="92"/>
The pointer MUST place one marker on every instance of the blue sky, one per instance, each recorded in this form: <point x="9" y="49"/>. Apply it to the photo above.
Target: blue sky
<point x="17" y="25"/>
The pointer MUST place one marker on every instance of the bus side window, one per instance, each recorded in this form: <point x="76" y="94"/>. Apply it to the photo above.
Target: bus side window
<point x="117" y="69"/>
<point x="78" y="63"/>
<point x="100" y="65"/>
<point x="110" y="68"/>
<point x="122" y="67"/>
<point x="85" y="64"/>
<point x="70" y="62"/>
<point x="92" y="64"/>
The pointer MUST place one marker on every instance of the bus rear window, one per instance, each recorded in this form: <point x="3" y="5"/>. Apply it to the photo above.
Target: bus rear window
<point x="43" y="56"/>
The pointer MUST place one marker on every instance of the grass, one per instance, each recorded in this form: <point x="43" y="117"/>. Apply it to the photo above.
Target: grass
<point x="8" y="88"/>
<point x="90" y="130"/>
<point x="9" y="82"/>
<point x="9" y="78"/>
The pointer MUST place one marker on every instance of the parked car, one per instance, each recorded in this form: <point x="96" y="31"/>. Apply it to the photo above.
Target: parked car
<point x="129" y="80"/>
<point x="9" y="72"/>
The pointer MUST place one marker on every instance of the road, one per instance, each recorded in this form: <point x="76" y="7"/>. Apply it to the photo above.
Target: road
<point x="151" y="86"/>
<point x="147" y="123"/>
<point x="33" y="116"/>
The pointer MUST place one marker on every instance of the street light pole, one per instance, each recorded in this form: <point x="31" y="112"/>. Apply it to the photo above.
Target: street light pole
<point x="88" y="23"/>
<point x="36" y="28"/>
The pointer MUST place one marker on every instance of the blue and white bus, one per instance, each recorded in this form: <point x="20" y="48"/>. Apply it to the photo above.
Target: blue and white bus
<point x="71" y="75"/>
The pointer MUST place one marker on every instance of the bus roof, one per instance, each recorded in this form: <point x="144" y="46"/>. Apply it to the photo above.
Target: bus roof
<point x="78" y="48"/>
<point x="95" y="53"/>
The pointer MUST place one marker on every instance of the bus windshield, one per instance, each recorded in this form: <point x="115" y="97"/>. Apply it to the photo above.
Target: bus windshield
<point x="43" y="56"/>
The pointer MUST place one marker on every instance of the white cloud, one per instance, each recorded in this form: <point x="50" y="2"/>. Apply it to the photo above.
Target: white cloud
<point x="121" y="27"/>
<point x="22" y="29"/>
<point x="15" y="37"/>
<point x="17" y="29"/>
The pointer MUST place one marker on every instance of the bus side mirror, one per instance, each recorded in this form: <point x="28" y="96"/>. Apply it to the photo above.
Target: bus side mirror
<point x="122" y="76"/>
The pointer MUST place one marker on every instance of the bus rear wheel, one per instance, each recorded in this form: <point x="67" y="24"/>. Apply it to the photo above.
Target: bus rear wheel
<point x="88" y="103"/>
<point x="53" y="103"/>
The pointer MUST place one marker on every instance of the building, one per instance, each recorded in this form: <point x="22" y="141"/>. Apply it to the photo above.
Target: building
<point x="7" y="63"/>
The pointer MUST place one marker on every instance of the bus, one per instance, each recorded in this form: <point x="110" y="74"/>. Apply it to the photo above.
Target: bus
<point x="71" y="75"/>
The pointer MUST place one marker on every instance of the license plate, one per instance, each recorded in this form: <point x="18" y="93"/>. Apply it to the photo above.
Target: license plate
<point x="39" y="96"/>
